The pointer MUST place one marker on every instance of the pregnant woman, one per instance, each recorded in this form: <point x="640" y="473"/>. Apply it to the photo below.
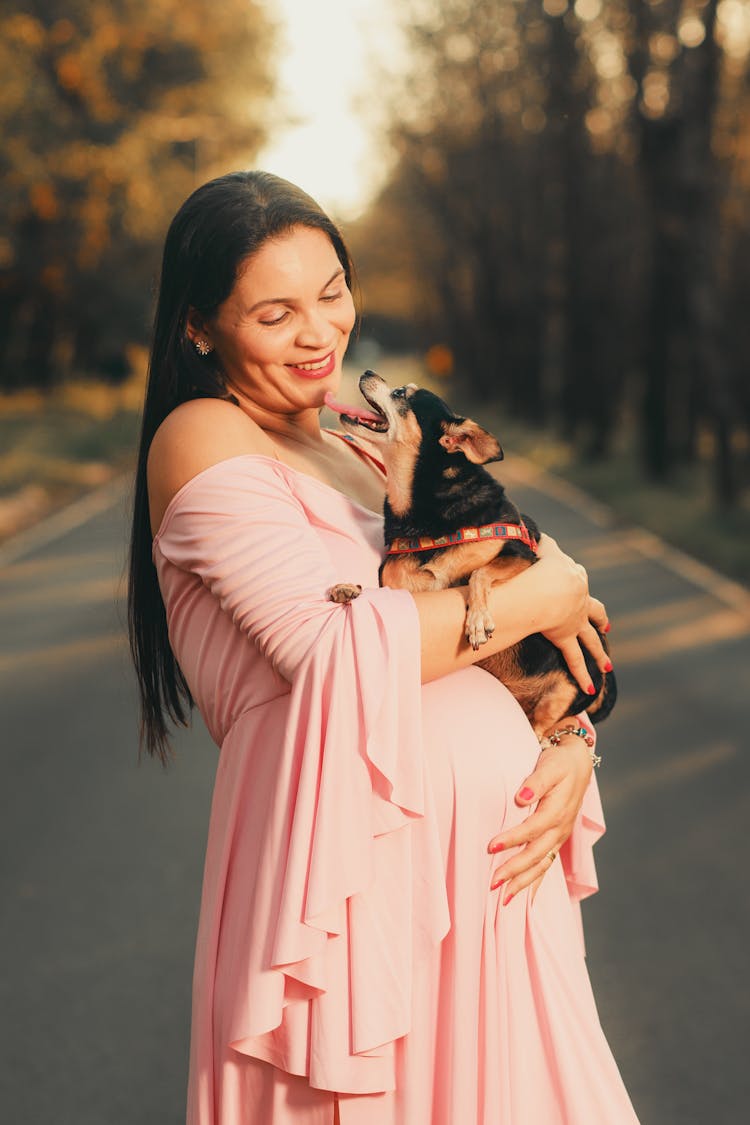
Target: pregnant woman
<point x="389" y="926"/>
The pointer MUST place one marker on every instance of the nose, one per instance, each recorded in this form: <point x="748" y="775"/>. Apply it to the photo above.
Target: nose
<point x="315" y="329"/>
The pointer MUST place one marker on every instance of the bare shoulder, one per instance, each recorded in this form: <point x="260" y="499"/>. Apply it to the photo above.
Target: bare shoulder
<point x="194" y="436"/>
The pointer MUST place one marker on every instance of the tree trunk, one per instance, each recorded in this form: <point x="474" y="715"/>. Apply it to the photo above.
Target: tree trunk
<point x="660" y="153"/>
<point x="705" y="301"/>
<point x="39" y="367"/>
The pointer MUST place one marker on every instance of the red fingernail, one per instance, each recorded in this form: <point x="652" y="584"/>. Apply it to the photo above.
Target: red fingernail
<point x="507" y="900"/>
<point x="607" y="628"/>
<point x="526" y="794"/>
<point x="495" y="848"/>
<point x="591" y="690"/>
<point x="608" y="666"/>
<point x="498" y="883"/>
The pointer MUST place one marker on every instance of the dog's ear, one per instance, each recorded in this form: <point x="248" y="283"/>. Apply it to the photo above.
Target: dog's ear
<point x="465" y="436"/>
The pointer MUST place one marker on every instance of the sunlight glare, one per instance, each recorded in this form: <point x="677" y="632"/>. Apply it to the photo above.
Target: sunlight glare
<point x="691" y="31"/>
<point x="326" y="65"/>
<point x="733" y="28"/>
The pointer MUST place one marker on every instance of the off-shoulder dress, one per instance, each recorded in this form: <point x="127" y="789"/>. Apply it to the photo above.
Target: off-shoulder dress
<point x="349" y="947"/>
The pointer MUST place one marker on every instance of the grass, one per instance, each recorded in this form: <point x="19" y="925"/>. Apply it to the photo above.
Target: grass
<point x="55" y="447"/>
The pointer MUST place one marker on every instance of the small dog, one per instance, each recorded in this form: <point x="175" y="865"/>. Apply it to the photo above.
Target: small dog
<point x="448" y="522"/>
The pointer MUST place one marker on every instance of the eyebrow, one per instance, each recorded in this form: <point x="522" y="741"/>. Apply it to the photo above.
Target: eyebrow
<point x="288" y="300"/>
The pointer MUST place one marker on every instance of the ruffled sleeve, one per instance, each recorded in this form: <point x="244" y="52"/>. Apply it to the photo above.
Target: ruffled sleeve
<point x="577" y="853"/>
<point x="360" y="881"/>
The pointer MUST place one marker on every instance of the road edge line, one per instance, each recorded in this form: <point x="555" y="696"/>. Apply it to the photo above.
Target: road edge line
<point x="65" y="519"/>
<point x="647" y="543"/>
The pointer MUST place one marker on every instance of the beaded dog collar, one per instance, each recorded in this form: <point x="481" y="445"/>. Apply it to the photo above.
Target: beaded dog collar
<point x="465" y="535"/>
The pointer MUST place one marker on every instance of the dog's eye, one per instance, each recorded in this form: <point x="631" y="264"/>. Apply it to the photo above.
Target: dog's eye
<point x="400" y="392"/>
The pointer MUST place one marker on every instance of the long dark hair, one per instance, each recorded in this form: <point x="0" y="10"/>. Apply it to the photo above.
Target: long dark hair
<point x="215" y="231"/>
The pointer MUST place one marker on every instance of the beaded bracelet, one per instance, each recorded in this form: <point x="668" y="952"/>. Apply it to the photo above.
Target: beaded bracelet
<point x="554" y="739"/>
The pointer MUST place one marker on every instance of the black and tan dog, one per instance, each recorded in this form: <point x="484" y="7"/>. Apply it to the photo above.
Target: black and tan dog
<point x="448" y="522"/>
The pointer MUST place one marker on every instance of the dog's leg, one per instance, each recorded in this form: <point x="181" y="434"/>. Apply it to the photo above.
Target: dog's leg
<point x="405" y="572"/>
<point x="447" y="567"/>
<point x="454" y="565"/>
<point x="479" y="622"/>
<point x="553" y="703"/>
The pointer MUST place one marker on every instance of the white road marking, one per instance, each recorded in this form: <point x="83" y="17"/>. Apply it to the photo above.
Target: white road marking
<point x="646" y="543"/>
<point x="65" y="519"/>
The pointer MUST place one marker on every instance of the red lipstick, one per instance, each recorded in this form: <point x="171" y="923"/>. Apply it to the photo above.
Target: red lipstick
<point x="318" y="372"/>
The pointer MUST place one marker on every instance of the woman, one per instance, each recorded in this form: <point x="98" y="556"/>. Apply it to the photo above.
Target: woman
<point x="355" y="960"/>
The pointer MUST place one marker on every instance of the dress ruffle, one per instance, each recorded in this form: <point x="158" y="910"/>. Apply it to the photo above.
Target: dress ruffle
<point x="362" y="890"/>
<point x="577" y="853"/>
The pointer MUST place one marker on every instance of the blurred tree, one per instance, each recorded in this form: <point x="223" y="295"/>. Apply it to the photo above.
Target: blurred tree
<point x="111" y="112"/>
<point x="675" y="60"/>
<point x="470" y="196"/>
<point x="587" y="227"/>
<point x="573" y="184"/>
<point x="511" y="215"/>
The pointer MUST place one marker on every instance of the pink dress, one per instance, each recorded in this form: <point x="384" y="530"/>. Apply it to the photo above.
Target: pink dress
<point x="348" y="938"/>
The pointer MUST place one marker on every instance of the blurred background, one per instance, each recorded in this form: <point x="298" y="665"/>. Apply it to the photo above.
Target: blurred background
<point x="548" y="204"/>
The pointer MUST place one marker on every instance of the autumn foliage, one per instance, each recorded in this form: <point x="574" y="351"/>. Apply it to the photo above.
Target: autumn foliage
<point x="111" y="112"/>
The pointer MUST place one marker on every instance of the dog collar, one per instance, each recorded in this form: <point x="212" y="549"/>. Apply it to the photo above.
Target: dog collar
<point x="516" y="531"/>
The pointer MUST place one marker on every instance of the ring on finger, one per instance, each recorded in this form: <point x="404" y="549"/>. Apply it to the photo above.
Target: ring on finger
<point x="552" y="856"/>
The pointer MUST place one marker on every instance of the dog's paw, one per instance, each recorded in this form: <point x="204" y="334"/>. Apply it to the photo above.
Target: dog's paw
<point x="479" y="627"/>
<point x="344" y="592"/>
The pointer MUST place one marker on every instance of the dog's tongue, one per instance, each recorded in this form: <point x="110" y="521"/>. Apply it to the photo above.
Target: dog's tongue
<point x="351" y="411"/>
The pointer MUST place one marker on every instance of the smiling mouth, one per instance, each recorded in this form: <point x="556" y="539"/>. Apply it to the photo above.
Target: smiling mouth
<point x="316" y="365"/>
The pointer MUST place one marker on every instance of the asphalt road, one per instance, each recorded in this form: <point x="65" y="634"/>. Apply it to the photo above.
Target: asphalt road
<point x="102" y="857"/>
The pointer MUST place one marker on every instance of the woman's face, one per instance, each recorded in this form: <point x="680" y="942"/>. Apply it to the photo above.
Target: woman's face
<point x="281" y="334"/>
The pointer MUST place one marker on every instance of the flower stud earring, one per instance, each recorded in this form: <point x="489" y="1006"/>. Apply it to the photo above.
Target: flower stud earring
<point x="203" y="347"/>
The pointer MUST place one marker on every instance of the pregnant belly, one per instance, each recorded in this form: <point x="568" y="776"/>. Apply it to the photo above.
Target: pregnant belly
<point x="479" y="748"/>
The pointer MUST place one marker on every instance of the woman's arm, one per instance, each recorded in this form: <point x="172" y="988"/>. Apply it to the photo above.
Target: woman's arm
<point x="550" y="597"/>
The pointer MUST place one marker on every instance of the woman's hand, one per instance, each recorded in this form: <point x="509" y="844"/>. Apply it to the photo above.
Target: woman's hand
<point x="551" y="597"/>
<point x="582" y="615"/>
<point x="558" y="784"/>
